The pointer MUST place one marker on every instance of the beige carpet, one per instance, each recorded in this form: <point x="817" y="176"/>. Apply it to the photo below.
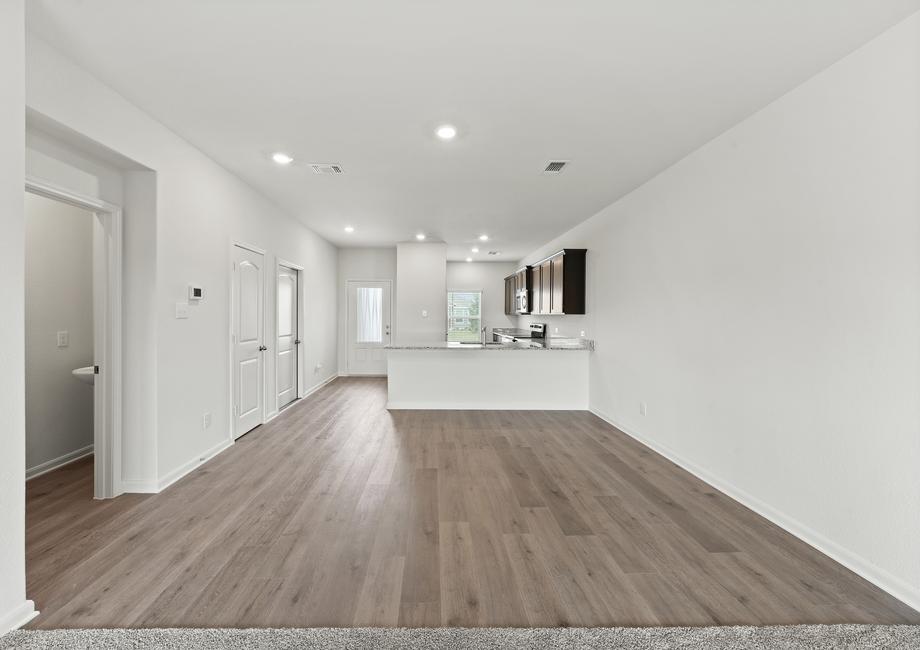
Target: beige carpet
<point x="652" y="638"/>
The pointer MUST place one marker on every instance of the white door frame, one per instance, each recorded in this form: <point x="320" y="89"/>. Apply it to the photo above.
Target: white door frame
<point x="348" y="320"/>
<point x="231" y="433"/>
<point x="279" y="263"/>
<point x="107" y="335"/>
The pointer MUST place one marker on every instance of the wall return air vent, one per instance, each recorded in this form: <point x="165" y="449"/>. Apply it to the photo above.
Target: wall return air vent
<point x="329" y="169"/>
<point x="555" y="166"/>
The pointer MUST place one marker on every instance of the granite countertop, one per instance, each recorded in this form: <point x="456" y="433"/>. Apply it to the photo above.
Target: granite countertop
<point x="536" y="345"/>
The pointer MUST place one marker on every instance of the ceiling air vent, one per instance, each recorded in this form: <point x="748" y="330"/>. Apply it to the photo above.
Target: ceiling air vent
<point x="555" y="167"/>
<point x="327" y="168"/>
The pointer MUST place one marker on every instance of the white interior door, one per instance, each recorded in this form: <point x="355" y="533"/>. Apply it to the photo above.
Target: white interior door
<point x="368" y="327"/>
<point x="247" y="340"/>
<point x="288" y="342"/>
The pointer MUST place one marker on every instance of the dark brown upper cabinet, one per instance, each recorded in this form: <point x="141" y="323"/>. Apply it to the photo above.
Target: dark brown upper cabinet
<point x="519" y="280"/>
<point x="555" y="285"/>
<point x="562" y="283"/>
<point x="536" y="290"/>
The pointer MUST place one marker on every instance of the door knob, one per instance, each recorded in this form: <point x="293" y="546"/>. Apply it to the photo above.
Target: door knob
<point x="262" y="348"/>
<point x="296" y="341"/>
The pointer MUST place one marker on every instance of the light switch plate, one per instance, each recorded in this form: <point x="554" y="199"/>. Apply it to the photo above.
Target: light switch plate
<point x="63" y="339"/>
<point x="181" y="310"/>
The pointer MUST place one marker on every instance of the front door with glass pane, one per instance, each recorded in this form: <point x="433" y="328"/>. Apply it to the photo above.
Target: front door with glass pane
<point x="368" y="326"/>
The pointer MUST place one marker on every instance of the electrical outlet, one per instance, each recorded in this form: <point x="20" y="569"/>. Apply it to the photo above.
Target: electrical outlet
<point x="206" y="420"/>
<point x="181" y="310"/>
<point x="555" y="330"/>
<point x="63" y="339"/>
<point x="643" y="408"/>
<point x="582" y="334"/>
<point x="424" y="313"/>
<point x="318" y="367"/>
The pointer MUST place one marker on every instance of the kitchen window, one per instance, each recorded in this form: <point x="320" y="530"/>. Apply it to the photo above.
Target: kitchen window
<point x="464" y="316"/>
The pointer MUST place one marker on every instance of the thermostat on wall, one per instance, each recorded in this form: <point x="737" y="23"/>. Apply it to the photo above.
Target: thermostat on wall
<point x="195" y="293"/>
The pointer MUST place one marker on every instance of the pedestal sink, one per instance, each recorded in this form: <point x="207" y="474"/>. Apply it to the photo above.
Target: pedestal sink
<point x="87" y="375"/>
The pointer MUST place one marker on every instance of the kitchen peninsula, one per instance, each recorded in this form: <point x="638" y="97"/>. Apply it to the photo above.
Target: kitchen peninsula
<point x="551" y="374"/>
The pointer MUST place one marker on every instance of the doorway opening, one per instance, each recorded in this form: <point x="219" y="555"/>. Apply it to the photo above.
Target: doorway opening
<point x="369" y="309"/>
<point x="73" y="334"/>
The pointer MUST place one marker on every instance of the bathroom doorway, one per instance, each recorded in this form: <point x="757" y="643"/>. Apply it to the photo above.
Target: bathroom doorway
<point x="73" y="335"/>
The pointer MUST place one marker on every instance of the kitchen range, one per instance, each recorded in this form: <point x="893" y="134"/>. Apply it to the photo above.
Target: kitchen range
<point x="515" y="335"/>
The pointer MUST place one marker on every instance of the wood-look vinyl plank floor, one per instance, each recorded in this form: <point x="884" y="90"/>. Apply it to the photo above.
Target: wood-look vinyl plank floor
<point x="340" y="513"/>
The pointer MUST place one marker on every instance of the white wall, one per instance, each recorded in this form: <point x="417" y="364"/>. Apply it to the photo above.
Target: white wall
<point x="58" y="297"/>
<point x="361" y="264"/>
<point x="139" y="303"/>
<point x="421" y="276"/>
<point x="200" y="210"/>
<point x="14" y="608"/>
<point x="762" y="296"/>
<point x="488" y="277"/>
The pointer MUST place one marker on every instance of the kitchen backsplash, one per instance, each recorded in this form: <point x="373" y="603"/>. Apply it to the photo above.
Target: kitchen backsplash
<point x="567" y="326"/>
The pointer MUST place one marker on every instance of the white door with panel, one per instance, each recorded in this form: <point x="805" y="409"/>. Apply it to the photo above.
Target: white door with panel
<point x="248" y="346"/>
<point x="288" y="343"/>
<point x="368" y="326"/>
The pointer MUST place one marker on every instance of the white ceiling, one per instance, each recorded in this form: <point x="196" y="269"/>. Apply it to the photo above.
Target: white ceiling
<point x="623" y="88"/>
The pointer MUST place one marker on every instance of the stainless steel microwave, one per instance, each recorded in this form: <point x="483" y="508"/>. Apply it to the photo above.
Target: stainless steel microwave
<point x="521" y="304"/>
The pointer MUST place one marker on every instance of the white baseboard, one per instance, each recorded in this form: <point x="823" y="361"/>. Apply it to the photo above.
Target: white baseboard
<point x="881" y="578"/>
<point x="483" y="406"/>
<point x="19" y="616"/>
<point x="316" y="387"/>
<point x="306" y="393"/>
<point x="138" y="486"/>
<point x="173" y="476"/>
<point x="60" y="461"/>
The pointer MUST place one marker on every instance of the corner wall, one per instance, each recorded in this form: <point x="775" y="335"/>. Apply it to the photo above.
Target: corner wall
<point x="762" y="297"/>
<point x="421" y="276"/>
<point x="14" y="608"/>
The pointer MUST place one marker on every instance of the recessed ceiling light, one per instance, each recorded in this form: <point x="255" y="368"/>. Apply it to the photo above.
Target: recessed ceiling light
<point x="349" y="228"/>
<point x="420" y="236"/>
<point x="469" y="259"/>
<point x="282" y="158"/>
<point x="446" y="132"/>
<point x="475" y="249"/>
<point x="483" y="238"/>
